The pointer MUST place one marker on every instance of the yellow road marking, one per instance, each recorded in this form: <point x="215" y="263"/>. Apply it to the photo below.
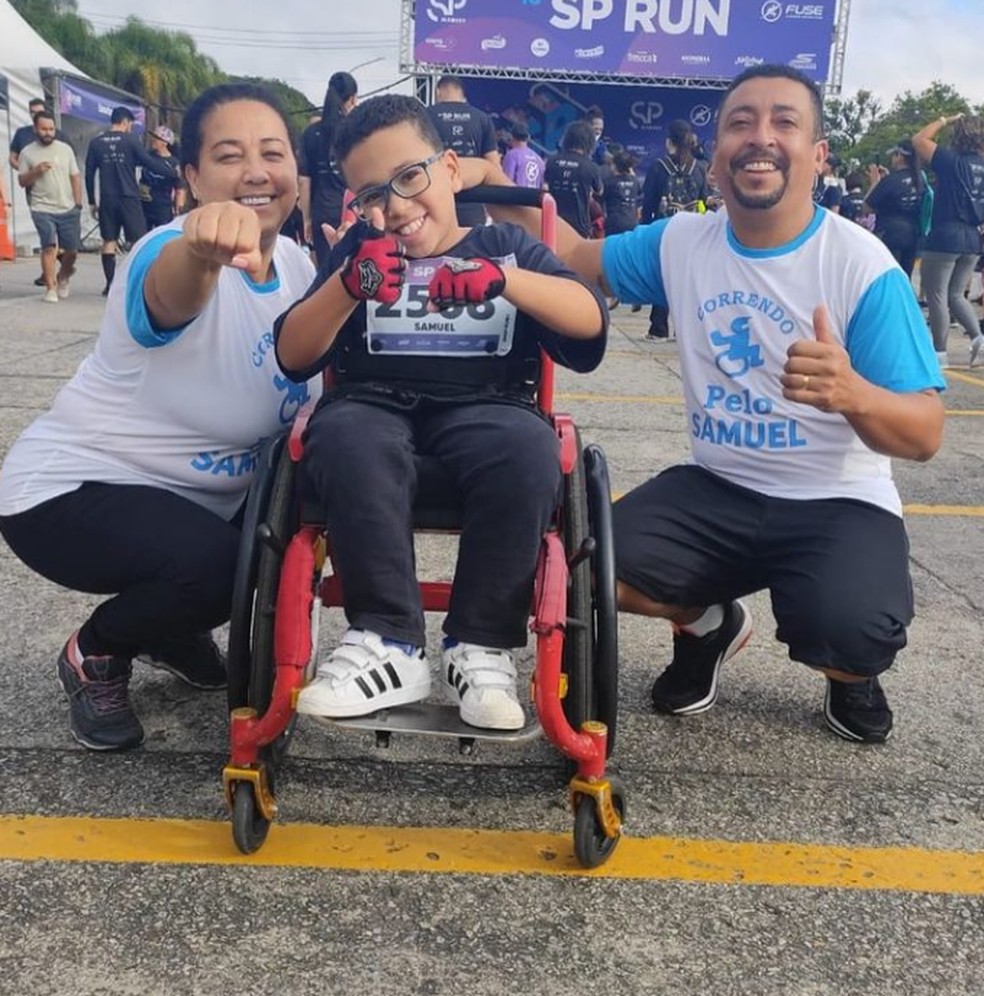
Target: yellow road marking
<point x="966" y="378"/>
<point x="424" y="850"/>
<point x="971" y="511"/>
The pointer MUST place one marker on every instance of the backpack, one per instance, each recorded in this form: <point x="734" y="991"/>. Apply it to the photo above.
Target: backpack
<point x="684" y="187"/>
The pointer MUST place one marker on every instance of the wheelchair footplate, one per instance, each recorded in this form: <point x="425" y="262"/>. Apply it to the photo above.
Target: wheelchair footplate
<point x="424" y="718"/>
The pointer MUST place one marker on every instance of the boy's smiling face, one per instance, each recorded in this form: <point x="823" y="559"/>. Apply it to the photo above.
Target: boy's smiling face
<point x="426" y="224"/>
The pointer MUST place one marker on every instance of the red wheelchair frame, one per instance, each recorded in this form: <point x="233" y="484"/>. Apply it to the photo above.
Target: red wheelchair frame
<point x="280" y="587"/>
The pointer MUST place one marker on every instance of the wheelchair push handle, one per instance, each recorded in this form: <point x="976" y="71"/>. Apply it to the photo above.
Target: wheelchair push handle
<point x="506" y="196"/>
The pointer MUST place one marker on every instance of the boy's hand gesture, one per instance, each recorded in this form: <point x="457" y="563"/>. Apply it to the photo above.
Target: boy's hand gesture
<point x="466" y="281"/>
<point x="376" y="270"/>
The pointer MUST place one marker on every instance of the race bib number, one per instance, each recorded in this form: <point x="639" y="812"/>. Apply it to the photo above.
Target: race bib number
<point x="408" y="328"/>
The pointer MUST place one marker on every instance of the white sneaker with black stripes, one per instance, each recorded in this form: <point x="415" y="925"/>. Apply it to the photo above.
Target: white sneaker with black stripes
<point x="365" y="674"/>
<point x="481" y="681"/>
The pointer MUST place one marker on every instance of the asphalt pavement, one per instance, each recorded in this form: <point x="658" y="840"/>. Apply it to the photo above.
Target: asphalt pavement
<point x="759" y="769"/>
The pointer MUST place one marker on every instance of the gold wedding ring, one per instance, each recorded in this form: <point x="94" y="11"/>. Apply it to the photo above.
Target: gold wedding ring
<point x="806" y="381"/>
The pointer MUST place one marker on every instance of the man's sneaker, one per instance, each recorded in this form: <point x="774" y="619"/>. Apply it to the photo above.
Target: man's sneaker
<point x="50" y="296"/>
<point x="363" y="675"/>
<point x="975" y="348"/>
<point x="858" y="710"/>
<point x="62" y="289"/>
<point x="40" y="281"/>
<point x="482" y="683"/>
<point x="195" y="659"/>
<point x="690" y="684"/>
<point x="99" y="707"/>
<point x="944" y="360"/>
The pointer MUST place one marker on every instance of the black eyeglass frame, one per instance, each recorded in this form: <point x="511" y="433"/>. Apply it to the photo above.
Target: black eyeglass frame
<point x="385" y="189"/>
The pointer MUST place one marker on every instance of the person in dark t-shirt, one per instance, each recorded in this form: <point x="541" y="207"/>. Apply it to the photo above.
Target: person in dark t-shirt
<point x="161" y="192"/>
<point x="573" y="179"/>
<point x="623" y="195"/>
<point x="113" y="156"/>
<point x="827" y="190"/>
<point x="467" y="130"/>
<point x="896" y="196"/>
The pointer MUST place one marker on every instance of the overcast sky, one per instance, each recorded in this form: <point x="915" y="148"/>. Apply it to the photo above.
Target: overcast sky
<point x="893" y="45"/>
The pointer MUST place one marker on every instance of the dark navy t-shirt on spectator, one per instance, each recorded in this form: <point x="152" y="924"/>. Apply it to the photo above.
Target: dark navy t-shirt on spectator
<point x="572" y="178"/>
<point x="470" y="133"/>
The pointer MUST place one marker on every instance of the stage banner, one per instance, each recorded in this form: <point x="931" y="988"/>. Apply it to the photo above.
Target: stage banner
<point x="636" y="117"/>
<point x="90" y="103"/>
<point x="703" y="39"/>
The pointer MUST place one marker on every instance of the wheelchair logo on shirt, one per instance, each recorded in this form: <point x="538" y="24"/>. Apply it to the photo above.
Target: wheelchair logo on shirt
<point x="739" y="355"/>
<point x="295" y="395"/>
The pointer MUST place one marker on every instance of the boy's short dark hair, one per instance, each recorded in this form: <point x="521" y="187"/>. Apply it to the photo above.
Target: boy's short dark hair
<point x="520" y="131"/>
<point x="384" y="111"/>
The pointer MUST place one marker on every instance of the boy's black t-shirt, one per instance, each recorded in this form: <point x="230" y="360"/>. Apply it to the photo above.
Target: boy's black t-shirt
<point x="897" y="204"/>
<point x="400" y="378"/>
<point x="571" y="179"/>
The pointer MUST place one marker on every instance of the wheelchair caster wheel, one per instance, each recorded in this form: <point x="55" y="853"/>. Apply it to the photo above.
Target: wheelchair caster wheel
<point x="249" y="826"/>
<point x="592" y="846"/>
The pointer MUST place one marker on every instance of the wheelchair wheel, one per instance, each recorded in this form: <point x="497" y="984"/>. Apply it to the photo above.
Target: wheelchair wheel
<point x="592" y="847"/>
<point x="275" y="521"/>
<point x="244" y="584"/>
<point x="605" y="672"/>
<point x="249" y="826"/>
<point x="579" y="636"/>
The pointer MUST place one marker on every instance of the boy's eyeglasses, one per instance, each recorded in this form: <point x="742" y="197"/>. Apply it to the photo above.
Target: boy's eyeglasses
<point x="410" y="182"/>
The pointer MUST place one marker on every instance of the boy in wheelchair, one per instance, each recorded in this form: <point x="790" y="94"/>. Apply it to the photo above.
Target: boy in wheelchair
<point x="432" y="335"/>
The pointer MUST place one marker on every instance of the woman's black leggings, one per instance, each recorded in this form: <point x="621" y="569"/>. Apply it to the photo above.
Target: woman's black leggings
<point x="168" y="562"/>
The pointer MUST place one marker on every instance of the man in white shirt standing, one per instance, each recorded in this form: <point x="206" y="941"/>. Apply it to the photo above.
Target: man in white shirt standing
<point x="48" y="168"/>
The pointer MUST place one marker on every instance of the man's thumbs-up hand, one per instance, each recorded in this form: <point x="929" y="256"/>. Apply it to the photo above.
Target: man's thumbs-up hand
<point x="818" y="371"/>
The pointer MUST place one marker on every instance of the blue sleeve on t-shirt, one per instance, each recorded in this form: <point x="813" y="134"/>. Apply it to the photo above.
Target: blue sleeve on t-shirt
<point x="887" y="338"/>
<point x="138" y="318"/>
<point x="631" y="265"/>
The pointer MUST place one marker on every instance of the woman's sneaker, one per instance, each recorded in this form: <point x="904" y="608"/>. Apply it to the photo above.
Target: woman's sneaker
<point x="690" y="684"/>
<point x="98" y="702"/>
<point x="481" y="681"/>
<point x="194" y="658"/>
<point x="366" y="673"/>
<point x="858" y="710"/>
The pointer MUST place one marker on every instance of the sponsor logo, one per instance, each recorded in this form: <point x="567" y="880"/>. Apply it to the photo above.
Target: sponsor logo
<point x="774" y="10"/>
<point x="589" y="53"/>
<point x="749" y="60"/>
<point x="442" y="44"/>
<point x="771" y="11"/>
<point x="444" y="10"/>
<point x="644" y="114"/>
<point x="540" y="47"/>
<point x="642" y="56"/>
<point x="804" y="60"/>
<point x="696" y="60"/>
<point x="496" y="41"/>
<point x="700" y="115"/>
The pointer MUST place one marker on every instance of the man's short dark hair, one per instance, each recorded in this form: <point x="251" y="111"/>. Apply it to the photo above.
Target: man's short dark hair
<point x="35" y="102"/>
<point x="449" y="80"/>
<point x="121" y="114"/>
<point x="776" y="71"/>
<point x="46" y="115"/>
<point x="384" y="111"/>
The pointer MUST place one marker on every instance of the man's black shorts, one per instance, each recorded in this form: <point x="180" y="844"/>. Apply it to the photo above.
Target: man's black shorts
<point x="837" y="569"/>
<point x="121" y="213"/>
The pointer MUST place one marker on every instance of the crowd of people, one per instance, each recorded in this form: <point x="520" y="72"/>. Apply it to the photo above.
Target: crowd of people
<point x="124" y="490"/>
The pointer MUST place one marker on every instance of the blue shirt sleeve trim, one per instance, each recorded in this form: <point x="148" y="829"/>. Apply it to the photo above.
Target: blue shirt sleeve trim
<point x="887" y="338"/>
<point x="138" y="318"/>
<point x="631" y="264"/>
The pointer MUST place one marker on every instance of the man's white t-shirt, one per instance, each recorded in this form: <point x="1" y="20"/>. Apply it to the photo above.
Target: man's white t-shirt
<point x="186" y="410"/>
<point x="738" y="310"/>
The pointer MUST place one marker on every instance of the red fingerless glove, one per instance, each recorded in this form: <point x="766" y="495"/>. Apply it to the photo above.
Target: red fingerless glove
<point x="375" y="271"/>
<point x="466" y="281"/>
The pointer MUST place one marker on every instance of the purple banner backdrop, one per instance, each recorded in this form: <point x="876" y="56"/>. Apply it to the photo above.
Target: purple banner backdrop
<point x="703" y="39"/>
<point x="635" y="116"/>
<point x="92" y="104"/>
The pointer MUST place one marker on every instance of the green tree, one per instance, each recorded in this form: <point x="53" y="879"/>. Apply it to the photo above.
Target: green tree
<point x="847" y="121"/>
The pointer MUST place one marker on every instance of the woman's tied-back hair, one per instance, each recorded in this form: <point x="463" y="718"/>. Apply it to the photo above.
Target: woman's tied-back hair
<point x="193" y="125"/>
<point x="384" y="111"/>
<point x="968" y="135"/>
